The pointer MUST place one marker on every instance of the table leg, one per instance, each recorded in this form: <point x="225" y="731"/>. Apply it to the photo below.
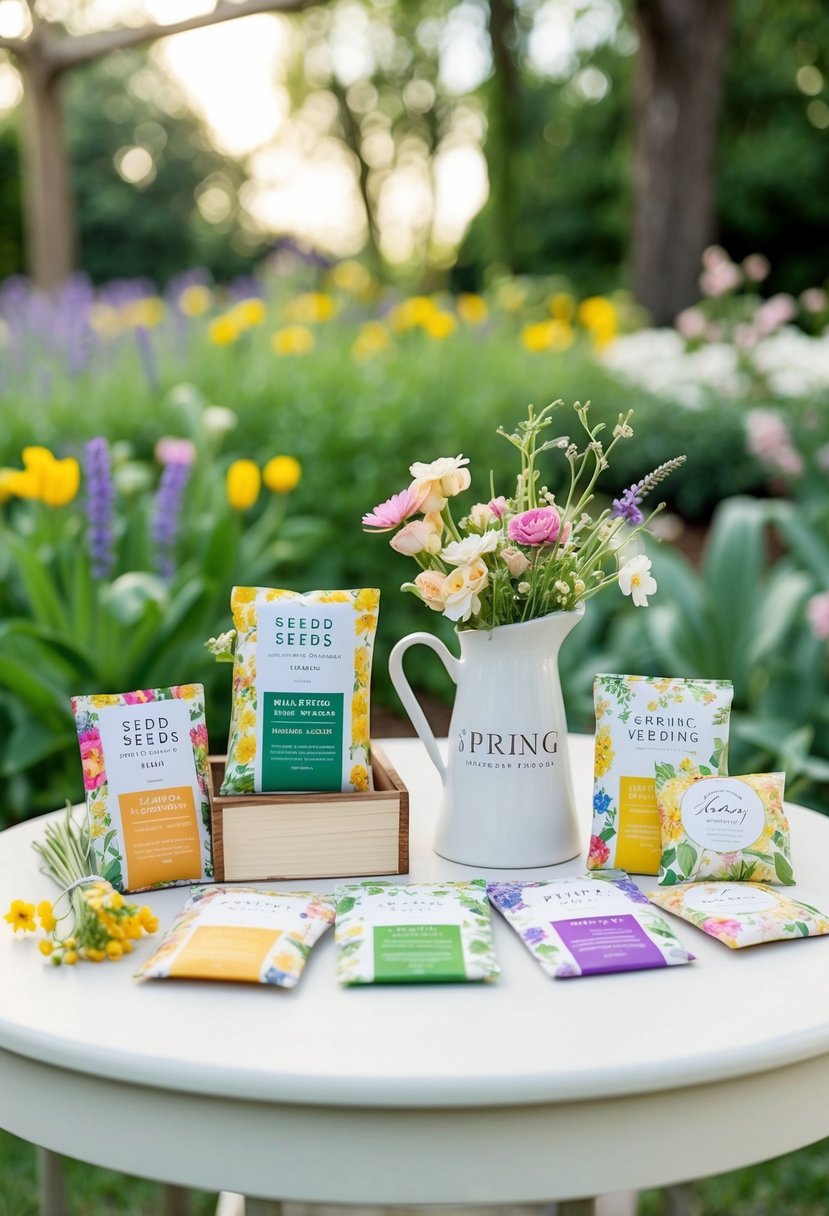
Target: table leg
<point x="175" y="1201"/>
<point x="52" y="1185"/>
<point x="576" y="1207"/>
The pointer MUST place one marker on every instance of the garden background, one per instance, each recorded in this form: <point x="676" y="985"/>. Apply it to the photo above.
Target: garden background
<point x="230" y="319"/>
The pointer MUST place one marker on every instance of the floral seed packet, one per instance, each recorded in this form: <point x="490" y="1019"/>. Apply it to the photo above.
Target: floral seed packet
<point x="588" y="926"/>
<point x="723" y="827"/>
<point x="301" y="687"/>
<point x="145" y="772"/>
<point x="642" y="722"/>
<point x="388" y="933"/>
<point x="741" y="914"/>
<point x="239" y="934"/>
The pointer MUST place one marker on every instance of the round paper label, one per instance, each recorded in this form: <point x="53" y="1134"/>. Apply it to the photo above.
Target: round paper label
<point x="722" y="814"/>
<point x="729" y="897"/>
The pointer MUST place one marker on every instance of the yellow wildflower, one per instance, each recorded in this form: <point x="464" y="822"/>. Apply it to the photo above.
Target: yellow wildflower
<point x="372" y="339"/>
<point x="472" y="309"/>
<point x="511" y="295"/>
<point x="412" y="312"/>
<point x="359" y="703"/>
<point x="562" y="306"/>
<point x="365" y="623"/>
<point x="440" y="325"/>
<point x="247" y="719"/>
<point x="222" y="331"/>
<point x="362" y="664"/>
<point x="48" y="920"/>
<point x="94" y="955"/>
<point x="547" y="335"/>
<point x="243" y="482"/>
<point x="359" y="729"/>
<point x="21" y="916"/>
<point x="351" y="276"/>
<point x="195" y="300"/>
<point x="598" y="315"/>
<point x="358" y="777"/>
<point x="70" y="958"/>
<point x="247" y="314"/>
<point x="143" y="314"/>
<point x="243" y="595"/>
<point x="148" y="922"/>
<point x="292" y="340"/>
<point x="114" y="950"/>
<point x="45" y="947"/>
<point x="282" y="474"/>
<point x="310" y="308"/>
<point x="102" y="698"/>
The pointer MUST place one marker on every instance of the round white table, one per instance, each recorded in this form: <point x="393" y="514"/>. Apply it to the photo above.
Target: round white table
<point x="525" y="1090"/>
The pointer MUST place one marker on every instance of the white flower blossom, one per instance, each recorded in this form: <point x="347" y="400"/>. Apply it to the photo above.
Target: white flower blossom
<point x="636" y="580"/>
<point x="470" y="549"/>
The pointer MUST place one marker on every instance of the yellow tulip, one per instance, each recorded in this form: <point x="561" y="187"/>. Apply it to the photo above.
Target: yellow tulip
<point x="282" y="474"/>
<point x="440" y="325"/>
<point x="61" y="482"/>
<point x="547" y="335"/>
<point x="292" y="340"/>
<point x="412" y="312"/>
<point x="353" y="277"/>
<point x="248" y="313"/>
<point x="20" y="483"/>
<point x="243" y="482"/>
<point x="222" y="331"/>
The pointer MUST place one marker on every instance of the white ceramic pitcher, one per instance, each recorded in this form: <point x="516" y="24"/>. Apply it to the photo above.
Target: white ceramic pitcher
<point x="507" y="791"/>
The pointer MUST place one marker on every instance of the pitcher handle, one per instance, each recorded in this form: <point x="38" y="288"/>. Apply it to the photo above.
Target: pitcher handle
<point x="410" y="701"/>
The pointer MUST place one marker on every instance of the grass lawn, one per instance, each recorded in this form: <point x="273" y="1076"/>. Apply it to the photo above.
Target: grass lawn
<point x="794" y="1185"/>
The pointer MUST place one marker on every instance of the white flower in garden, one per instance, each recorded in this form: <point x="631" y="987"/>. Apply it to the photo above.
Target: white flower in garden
<point x="439" y="480"/>
<point x="461" y="591"/>
<point x="430" y="585"/>
<point x="636" y="580"/>
<point x="481" y="516"/>
<point x="217" y="420"/>
<point x="470" y="549"/>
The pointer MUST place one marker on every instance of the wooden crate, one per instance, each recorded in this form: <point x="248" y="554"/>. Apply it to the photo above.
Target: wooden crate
<point x="261" y="837"/>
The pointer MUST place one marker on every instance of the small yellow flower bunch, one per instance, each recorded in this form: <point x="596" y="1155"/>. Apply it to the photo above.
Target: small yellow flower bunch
<point x="101" y="924"/>
<point x="104" y="925"/>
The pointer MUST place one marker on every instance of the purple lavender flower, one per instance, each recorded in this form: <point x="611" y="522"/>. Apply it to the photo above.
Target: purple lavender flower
<point x="167" y="513"/>
<point x="627" y="507"/>
<point x="100" y="496"/>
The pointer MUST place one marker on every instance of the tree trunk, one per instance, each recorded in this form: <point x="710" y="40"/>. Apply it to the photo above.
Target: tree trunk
<point x="682" y="54"/>
<point x="48" y="210"/>
<point x="504" y="119"/>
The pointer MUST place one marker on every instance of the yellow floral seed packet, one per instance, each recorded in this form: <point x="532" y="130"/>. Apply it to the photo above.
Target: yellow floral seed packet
<point x="301" y="690"/>
<point x="145" y="772"/>
<point x="741" y="914"/>
<point x="731" y="828"/>
<point x="243" y="935"/>
<point x="643" y="722"/>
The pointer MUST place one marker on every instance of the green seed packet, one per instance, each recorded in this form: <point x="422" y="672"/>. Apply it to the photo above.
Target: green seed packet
<point x="390" y="933"/>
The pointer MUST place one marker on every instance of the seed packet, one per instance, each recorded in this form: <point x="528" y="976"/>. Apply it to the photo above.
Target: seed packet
<point x="301" y="687"/>
<point x="723" y="827"/>
<point x="643" y="721"/>
<point x="254" y="937"/>
<point x="588" y="926"/>
<point x="742" y="914"/>
<point x="144" y="758"/>
<point x="388" y="933"/>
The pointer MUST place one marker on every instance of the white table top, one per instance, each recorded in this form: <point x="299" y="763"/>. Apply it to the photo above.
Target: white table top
<point x="524" y="1041"/>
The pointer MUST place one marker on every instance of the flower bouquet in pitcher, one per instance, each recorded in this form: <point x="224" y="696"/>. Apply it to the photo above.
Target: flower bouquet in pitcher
<point x="514" y="574"/>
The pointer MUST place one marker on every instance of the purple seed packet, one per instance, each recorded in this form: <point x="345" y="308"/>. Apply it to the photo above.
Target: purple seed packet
<point x="588" y="926"/>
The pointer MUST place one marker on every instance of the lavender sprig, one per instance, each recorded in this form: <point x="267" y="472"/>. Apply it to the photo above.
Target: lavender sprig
<point x="627" y="507"/>
<point x="167" y="513"/>
<point x="100" y="497"/>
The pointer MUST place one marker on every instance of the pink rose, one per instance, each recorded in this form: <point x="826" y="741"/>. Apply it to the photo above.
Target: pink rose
<point x="540" y="526"/>
<point x="92" y="759"/>
<point x="430" y="585"/>
<point x="418" y="536"/>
